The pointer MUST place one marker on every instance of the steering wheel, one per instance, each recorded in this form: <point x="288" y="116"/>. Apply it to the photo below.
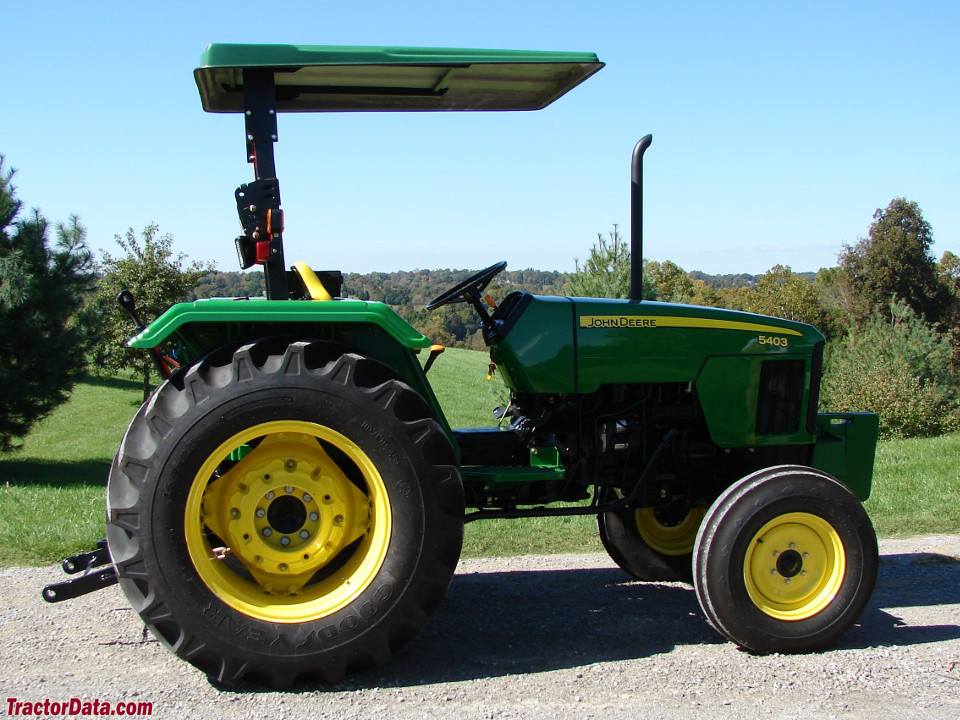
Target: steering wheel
<point x="470" y="290"/>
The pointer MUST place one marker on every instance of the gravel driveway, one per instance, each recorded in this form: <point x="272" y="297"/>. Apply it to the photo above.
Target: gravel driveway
<point x="531" y="637"/>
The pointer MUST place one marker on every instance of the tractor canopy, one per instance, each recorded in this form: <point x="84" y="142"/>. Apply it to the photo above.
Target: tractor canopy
<point x="327" y="78"/>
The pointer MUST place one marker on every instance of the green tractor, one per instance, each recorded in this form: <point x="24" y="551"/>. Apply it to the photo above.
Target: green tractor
<point x="290" y="502"/>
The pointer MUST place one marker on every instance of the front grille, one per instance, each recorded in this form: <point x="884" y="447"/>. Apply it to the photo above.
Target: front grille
<point x="780" y="397"/>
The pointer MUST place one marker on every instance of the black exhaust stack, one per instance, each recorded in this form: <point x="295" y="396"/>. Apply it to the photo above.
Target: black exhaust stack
<point x="636" y="218"/>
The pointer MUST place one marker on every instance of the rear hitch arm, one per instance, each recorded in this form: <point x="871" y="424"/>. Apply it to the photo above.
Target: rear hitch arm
<point x="90" y="581"/>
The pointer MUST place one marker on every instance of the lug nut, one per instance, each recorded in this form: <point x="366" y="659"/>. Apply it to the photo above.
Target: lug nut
<point x="284" y="541"/>
<point x="234" y="512"/>
<point x="304" y="534"/>
<point x="314" y="517"/>
<point x="338" y="519"/>
<point x="288" y="490"/>
<point x="261" y="512"/>
<point x="307" y="498"/>
<point x="267" y="532"/>
<point x="270" y="495"/>
<point x="290" y="465"/>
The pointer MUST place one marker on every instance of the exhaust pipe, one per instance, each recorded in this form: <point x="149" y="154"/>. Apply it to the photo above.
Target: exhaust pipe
<point x="636" y="218"/>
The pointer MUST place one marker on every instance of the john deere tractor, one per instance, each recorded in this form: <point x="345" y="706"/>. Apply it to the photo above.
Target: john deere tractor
<point x="290" y="502"/>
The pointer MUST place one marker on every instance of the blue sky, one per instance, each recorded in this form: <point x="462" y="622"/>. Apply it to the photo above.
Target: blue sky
<point x="778" y="129"/>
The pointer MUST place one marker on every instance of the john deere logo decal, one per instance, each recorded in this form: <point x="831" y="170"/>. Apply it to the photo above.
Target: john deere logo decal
<point x="617" y="321"/>
<point x="658" y="321"/>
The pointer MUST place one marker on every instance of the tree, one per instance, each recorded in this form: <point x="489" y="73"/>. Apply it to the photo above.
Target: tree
<point x="606" y="272"/>
<point x="704" y="294"/>
<point x="949" y="269"/>
<point x="670" y="282"/>
<point x="899" y="367"/>
<point x="895" y="260"/>
<point x="45" y="330"/>
<point x="781" y="293"/>
<point x="157" y="278"/>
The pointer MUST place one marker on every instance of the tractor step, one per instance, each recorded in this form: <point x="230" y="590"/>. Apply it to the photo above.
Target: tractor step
<point x="91" y="580"/>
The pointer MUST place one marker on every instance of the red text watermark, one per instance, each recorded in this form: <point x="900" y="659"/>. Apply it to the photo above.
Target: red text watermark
<point x="77" y="707"/>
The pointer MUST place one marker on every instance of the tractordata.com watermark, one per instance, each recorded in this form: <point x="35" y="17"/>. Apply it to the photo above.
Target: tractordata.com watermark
<point x="77" y="707"/>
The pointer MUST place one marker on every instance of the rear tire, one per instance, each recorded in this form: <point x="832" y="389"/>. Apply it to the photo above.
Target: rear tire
<point x="285" y="511"/>
<point x="785" y="560"/>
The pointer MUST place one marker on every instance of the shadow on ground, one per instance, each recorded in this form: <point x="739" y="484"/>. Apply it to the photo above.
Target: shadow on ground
<point x="109" y="381"/>
<point x="904" y="581"/>
<point x="512" y="623"/>
<point x="34" y="472"/>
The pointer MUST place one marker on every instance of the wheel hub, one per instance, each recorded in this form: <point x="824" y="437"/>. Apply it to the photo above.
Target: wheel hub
<point x="795" y="566"/>
<point x="295" y="537"/>
<point x="789" y="563"/>
<point x="288" y="513"/>
<point x="291" y="510"/>
<point x="669" y="531"/>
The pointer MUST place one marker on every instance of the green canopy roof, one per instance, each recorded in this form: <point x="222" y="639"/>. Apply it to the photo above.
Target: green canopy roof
<point x="315" y="78"/>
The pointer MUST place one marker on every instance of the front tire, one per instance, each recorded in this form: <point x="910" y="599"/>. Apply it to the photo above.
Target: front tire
<point x="785" y="560"/>
<point x="286" y="511"/>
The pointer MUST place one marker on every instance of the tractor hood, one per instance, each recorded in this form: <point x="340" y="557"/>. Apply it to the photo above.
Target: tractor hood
<point x="763" y="371"/>
<point x="563" y="344"/>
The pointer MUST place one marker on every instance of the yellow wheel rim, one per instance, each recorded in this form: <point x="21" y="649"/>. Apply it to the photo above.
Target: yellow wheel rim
<point x="794" y="566"/>
<point x="666" y="535"/>
<point x="288" y="533"/>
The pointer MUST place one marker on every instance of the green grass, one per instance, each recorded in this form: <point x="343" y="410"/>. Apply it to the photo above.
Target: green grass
<point x="459" y="379"/>
<point x="916" y="487"/>
<point x="52" y="492"/>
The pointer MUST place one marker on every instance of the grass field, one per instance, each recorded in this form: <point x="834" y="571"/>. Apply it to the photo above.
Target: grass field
<point x="52" y="492"/>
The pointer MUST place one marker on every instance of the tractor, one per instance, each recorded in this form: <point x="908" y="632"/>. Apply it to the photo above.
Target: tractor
<point x="290" y="502"/>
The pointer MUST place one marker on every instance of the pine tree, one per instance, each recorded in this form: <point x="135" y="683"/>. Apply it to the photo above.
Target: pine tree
<point x="606" y="272"/>
<point x="45" y="329"/>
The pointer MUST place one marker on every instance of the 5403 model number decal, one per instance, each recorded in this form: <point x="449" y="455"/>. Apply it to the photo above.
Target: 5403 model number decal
<point x="775" y="340"/>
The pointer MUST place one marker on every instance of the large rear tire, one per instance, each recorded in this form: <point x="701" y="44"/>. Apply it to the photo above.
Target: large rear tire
<point x="285" y="511"/>
<point x="785" y="560"/>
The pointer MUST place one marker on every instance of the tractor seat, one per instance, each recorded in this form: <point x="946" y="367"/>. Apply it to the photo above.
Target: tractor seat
<point x="311" y="283"/>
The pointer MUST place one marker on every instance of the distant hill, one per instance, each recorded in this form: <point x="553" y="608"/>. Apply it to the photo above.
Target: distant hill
<point x="724" y="281"/>
<point x="408" y="292"/>
<point x="402" y="287"/>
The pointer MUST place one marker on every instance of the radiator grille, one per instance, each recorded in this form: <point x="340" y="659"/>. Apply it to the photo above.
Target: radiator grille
<point x="780" y="397"/>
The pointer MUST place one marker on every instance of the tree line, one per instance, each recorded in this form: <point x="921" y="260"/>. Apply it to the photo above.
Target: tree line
<point x="407" y="292"/>
<point x="889" y="309"/>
